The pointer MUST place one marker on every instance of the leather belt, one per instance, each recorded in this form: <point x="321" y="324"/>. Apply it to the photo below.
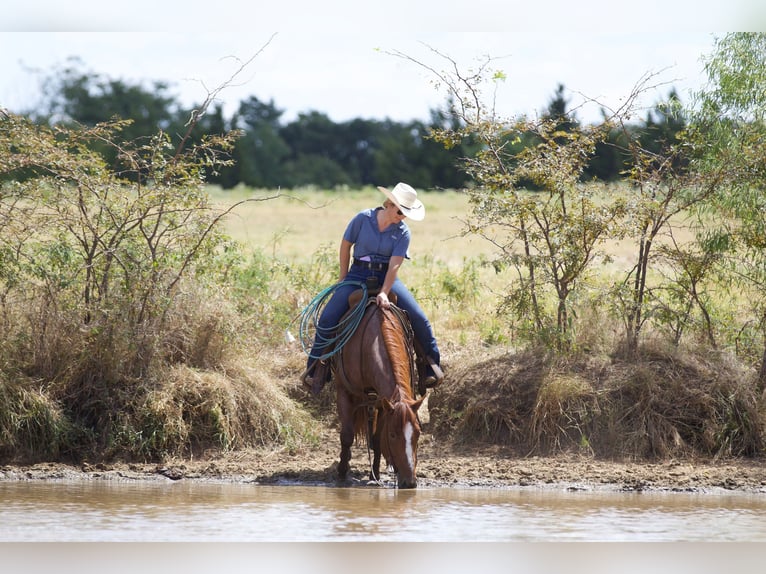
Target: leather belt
<point x="371" y="265"/>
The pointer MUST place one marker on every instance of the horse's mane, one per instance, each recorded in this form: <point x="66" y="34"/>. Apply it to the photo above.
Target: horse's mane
<point x="399" y="351"/>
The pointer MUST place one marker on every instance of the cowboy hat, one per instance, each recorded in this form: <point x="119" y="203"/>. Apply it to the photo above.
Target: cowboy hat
<point x="406" y="199"/>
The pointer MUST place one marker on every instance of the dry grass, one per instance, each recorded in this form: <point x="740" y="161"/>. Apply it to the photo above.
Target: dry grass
<point x="191" y="411"/>
<point x="293" y="225"/>
<point x="666" y="403"/>
<point x="32" y="425"/>
<point x="218" y="376"/>
<point x="193" y="383"/>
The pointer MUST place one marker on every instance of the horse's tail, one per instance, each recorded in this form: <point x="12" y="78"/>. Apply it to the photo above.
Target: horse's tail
<point x="364" y="421"/>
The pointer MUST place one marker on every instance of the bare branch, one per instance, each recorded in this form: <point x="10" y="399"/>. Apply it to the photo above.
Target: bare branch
<point x="197" y="114"/>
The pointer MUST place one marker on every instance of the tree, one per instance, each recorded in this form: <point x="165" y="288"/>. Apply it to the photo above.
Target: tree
<point x="317" y="145"/>
<point x="558" y="113"/>
<point x="662" y="188"/>
<point x="102" y="244"/>
<point x="728" y="128"/>
<point x="611" y="160"/>
<point x="260" y="152"/>
<point x="662" y="127"/>
<point x="445" y="161"/>
<point x="550" y="237"/>
<point x="74" y="96"/>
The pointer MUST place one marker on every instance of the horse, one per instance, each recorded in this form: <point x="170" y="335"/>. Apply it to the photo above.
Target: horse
<point x="374" y="376"/>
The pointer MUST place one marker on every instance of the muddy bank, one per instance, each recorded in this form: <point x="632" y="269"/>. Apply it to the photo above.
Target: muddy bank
<point x="438" y="466"/>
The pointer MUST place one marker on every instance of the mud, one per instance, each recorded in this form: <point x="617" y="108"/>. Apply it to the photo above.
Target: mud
<point x="438" y="466"/>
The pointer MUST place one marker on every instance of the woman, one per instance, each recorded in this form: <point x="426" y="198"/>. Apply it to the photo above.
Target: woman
<point x="381" y="240"/>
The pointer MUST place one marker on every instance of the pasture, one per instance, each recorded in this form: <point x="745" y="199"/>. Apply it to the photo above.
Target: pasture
<point x="292" y="225"/>
<point x="448" y="270"/>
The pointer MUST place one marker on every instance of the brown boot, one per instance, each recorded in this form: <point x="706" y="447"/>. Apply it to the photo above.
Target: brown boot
<point x="316" y="376"/>
<point x="429" y="376"/>
<point x="435" y="375"/>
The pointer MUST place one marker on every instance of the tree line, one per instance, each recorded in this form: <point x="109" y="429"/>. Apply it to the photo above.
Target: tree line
<point x="313" y="150"/>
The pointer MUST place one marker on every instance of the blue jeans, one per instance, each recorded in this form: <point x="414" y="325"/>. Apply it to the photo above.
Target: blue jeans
<point x="337" y="306"/>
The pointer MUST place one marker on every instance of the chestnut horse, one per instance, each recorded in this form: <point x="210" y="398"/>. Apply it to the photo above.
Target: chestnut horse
<point x="374" y="376"/>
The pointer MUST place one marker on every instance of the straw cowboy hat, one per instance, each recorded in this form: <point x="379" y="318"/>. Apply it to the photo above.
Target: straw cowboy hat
<point x="406" y="199"/>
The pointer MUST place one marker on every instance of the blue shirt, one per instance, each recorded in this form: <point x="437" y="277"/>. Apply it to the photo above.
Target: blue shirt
<point x="379" y="246"/>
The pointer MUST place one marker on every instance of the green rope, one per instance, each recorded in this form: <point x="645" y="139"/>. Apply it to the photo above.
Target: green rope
<point x="341" y="333"/>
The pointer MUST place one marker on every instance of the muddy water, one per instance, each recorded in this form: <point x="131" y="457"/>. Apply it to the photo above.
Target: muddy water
<point x="53" y="511"/>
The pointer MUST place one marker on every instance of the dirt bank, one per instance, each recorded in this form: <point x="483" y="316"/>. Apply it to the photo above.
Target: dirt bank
<point x="438" y="466"/>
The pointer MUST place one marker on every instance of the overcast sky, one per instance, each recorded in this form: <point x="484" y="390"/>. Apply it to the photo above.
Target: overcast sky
<point x="335" y="57"/>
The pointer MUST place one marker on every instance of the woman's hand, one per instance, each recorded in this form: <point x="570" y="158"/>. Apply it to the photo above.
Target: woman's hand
<point x="382" y="300"/>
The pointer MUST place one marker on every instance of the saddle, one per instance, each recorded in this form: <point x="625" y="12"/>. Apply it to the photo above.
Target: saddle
<point x="322" y="370"/>
<point x="429" y="373"/>
<point x="319" y="373"/>
<point x="373" y="288"/>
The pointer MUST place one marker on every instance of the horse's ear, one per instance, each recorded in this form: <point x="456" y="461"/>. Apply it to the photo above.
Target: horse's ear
<point x="416" y="404"/>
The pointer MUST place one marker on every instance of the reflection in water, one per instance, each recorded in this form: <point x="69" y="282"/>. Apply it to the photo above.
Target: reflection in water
<point x="187" y="511"/>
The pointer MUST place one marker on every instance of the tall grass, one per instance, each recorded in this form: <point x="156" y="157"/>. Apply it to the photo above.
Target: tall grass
<point x="671" y="400"/>
<point x="219" y="374"/>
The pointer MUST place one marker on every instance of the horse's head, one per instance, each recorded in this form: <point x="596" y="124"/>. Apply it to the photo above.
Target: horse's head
<point x="399" y="434"/>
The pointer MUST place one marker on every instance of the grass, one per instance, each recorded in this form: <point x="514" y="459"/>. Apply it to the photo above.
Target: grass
<point x="674" y="402"/>
<point x="445" y="271"/>
<point x="225" y="379"/>
<point x="293" y="225"/>
<point x="666" y="403"/>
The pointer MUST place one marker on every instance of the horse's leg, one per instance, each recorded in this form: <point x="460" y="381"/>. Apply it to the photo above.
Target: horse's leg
<point x="375" y="470"/>
<point x="346" y="417"/>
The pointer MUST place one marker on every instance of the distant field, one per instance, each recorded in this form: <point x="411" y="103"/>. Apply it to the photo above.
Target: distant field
<point x="460" y="295"/>
<point x="295" y="224"/>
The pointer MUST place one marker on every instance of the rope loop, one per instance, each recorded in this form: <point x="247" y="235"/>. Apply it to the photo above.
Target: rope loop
<point x="340" y="333"/>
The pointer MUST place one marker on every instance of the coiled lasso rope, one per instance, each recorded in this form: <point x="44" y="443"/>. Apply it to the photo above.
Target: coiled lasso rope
<point x="341" y="333"/>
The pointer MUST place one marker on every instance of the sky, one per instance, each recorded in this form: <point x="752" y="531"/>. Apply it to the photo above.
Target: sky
<point x="337" y="57"/>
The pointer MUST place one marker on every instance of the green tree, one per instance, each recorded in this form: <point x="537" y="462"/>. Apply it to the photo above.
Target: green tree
<point x="317" y="144"/>
<point x="445" y="161"/>
<point x="611" y="159"/>
<point x="103" y="243"/>
<point x="728" y="128"/>
<point x="73" y="96"/>
<point x="661" y="189"/>
<point x="400" y="155"/>
<point x="662" y="127"/>
<point x="558" y="112"/>
<point x="261" y="151"/>
<point x="550" y="237"/>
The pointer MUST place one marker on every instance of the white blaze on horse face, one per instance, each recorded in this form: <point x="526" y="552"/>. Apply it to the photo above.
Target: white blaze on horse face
<point x="408" y="431"/>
